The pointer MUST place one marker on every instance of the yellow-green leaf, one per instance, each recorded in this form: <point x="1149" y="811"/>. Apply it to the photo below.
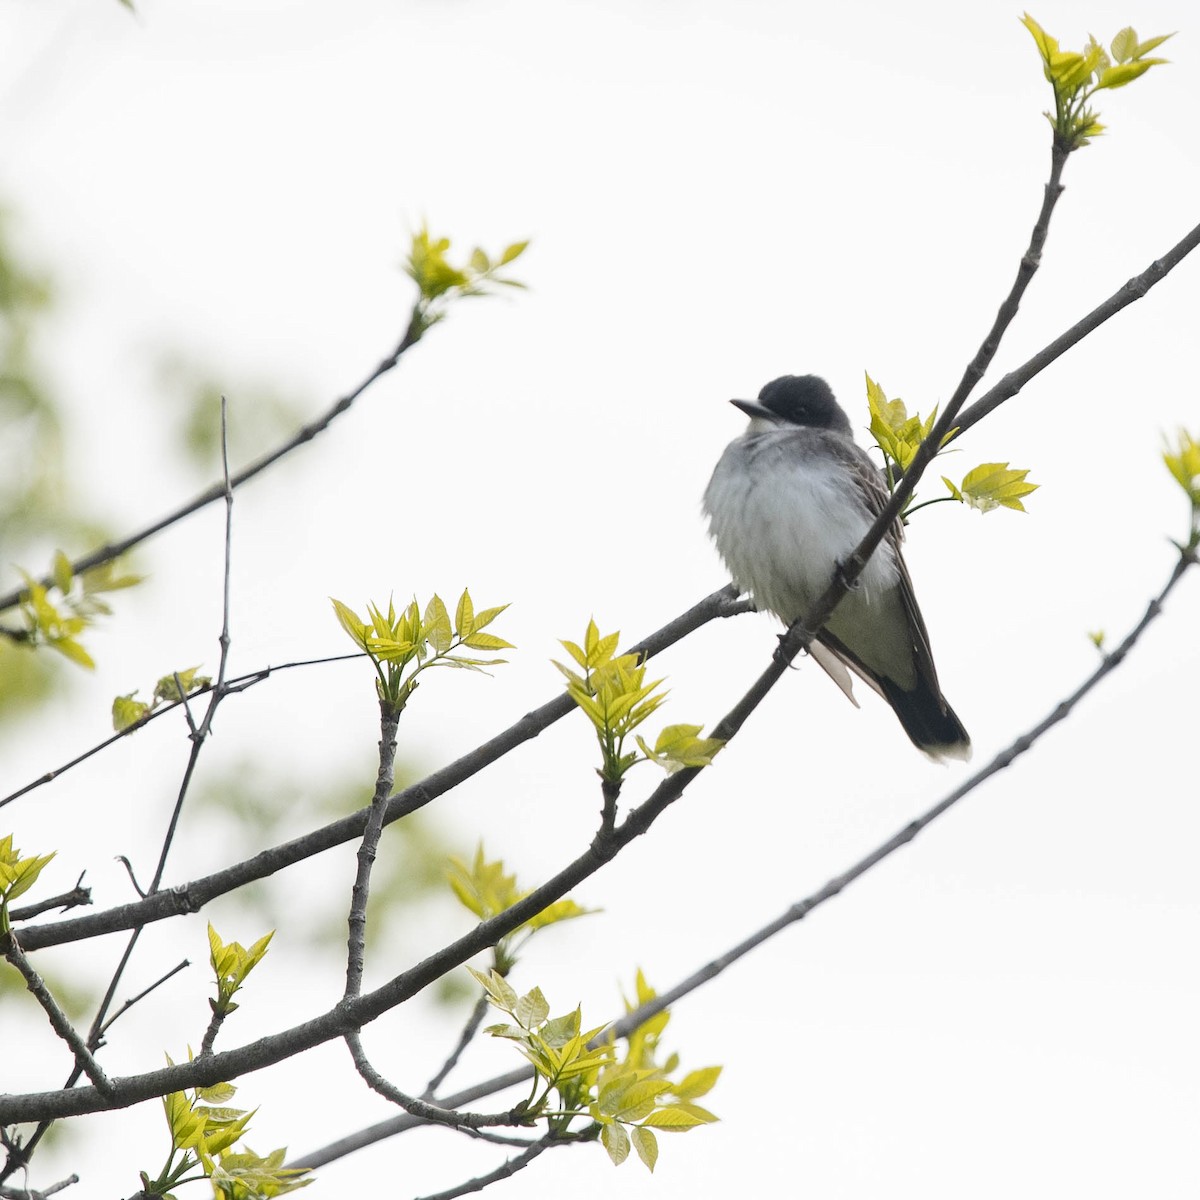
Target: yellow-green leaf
<point x="63" y="576"/>
<point x="646" y="1145"/>
<point x="487" y="641"/>
<point x="127" y="712"/>
<point x="351" y="623"/>
<point x="435" y="625"/>
<point x="464" y="615"/>
<point x="616" y="1141"/>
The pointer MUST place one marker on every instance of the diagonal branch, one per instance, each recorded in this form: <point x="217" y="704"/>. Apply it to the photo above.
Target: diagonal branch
<point x="304" y="434"/>
<point x="85" y="1062"/>
<point x="1135" y="289"/>
<point x="505" y="1170"/>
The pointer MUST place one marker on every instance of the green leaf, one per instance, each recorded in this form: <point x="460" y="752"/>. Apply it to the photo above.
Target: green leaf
<point x="994" y="485"/>
<point x="1124" y="45"/>
<point x="1123" y="73"/>
<point x="1047" y="46"/>
<point x="127" y="712"/>
<point x="18" y="875"/>
<point x="485" y="618"/>
<point x="646" y="1145"/>
<point x="69" y="648"/>
<point x="1151" y="44"/>
<point x="351" y="623"/>
<point x="616" y="1141"/>
<point x="531" y="1009"/>
<point x="679" y="1117"/>
<point x="63" y="576"/>
<point x="511" y="252"/>
<point x="487" y="641"/>
<point x="435" y="625"/>
<point x="696" y="1083"/>
<point x="464" y="615"/>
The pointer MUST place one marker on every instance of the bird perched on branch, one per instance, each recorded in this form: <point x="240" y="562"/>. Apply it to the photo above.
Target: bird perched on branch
<point x="789" y="501"/>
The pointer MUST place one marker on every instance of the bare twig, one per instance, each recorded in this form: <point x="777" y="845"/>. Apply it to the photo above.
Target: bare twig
<point x="423" y="1110"/>
<point x="1135" y="289"/>
<point x="470" y="1029"/>
<point x="367" y="849"/>
<point x="78" y="896"/>
<point x="7" y="1193"/>
<point x="505" y="1171"/>
<point x="59" y="1021"/>
<point x="179" y="966"/>
<point x="198" y="736"/>
<point x="239" y="683"/>
<point x="521" y="1077"/>
<point x="306" y="433"/>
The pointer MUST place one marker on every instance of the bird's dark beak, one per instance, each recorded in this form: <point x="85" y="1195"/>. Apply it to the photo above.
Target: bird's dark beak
<point x="752" y="408"/>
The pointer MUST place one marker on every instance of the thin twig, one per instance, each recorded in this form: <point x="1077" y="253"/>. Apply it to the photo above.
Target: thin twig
<point x="306" y="433"/>
<point x="179" y="966"/>
<point x="59" y="1021"/>
<point x="521" y="1077"/>
<point x="198" y="736"/>
<point x="470" y="1029"/>
<point x="78" y="896"/>
<point x="505" y="1171"/>
<point x="1134" y="289"/>
<point x="367" y="849"/>
<point x="7" y="1193"/>
<point x="423" y="1110"/>
<point x="239" y="683"/>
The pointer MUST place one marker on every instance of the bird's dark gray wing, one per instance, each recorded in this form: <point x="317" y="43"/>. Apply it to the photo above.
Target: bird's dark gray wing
<point x="872" y="491"/>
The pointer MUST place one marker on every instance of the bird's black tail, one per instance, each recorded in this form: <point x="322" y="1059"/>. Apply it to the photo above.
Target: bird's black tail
<point x="928" y="720"/>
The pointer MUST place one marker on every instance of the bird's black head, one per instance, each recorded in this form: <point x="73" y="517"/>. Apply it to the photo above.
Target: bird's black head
<point x="804" y="400"/>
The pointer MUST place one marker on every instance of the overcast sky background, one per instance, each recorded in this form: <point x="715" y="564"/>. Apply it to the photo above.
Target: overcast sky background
<point x="717" y="194"/>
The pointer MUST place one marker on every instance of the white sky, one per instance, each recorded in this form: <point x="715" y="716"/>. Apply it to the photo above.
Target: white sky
<point x="718" y="193"/>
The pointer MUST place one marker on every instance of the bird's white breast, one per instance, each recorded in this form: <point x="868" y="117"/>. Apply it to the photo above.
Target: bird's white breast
<point x="784" y="517"/>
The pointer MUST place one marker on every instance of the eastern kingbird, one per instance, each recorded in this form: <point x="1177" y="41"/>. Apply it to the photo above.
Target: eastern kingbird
<point x="788" y="503"/>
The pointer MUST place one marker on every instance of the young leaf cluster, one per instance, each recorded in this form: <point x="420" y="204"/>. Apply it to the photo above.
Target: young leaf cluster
<point x="127" y="712"/>
<point x="402" y="645"/>
<point x="1183" y="461"/>
<point x="898" y="436"/>
<point x="614" y="694"/>
<point x="54" y="616"/>
<point x="231" y="963"/>
<point x="203" y="1131"/>
<point x="992" y="485"/>
<point x="1076" y="76"/>
<point x="485" y="889"/>
<point x="440" y="282"/>
<point x="17" y="876"/>
<point x="626" y="1098"/>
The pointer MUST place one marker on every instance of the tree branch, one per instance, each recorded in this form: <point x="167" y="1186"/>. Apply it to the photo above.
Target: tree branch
<point x="505" y="1171"/>
<point x="304" y="434"/>
<point x="59" y="1021"/>
<point x="1135" y="289"/>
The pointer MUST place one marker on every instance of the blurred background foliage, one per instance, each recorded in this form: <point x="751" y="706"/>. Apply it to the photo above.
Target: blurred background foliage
<point x="247" y="807"/>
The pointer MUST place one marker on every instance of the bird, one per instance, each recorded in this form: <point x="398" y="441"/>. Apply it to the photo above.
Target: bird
<point x="787" y="504"/>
